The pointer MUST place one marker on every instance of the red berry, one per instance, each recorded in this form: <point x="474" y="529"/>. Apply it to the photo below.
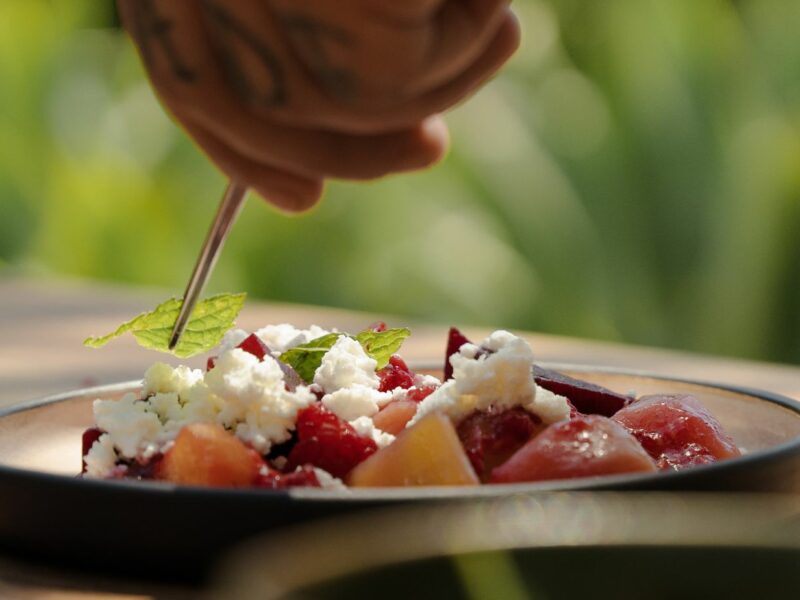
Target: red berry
<point x="490" y="437"/>
<point x="303" y="477"/>
<point x="395" y="375"/>
<point x="455" y="339"/>
<point x="418" y="394"/>
<point x="211" y="363"/>
<point x="378" y="326"/>
<point x="326" y="441"/>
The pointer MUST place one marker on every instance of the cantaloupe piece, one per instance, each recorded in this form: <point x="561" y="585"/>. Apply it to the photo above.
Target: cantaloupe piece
<point x="429" y="453"/>
<point x="394" y="416"/>
<point x="207" y="455"/>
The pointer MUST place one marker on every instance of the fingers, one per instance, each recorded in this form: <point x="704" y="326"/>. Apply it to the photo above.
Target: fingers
<point x="313" y="152"/>
<point x="404" y="12"/>
<point x="288" y="192"/>
<point x="461" y="32"/>
<point x="284" y="94"/>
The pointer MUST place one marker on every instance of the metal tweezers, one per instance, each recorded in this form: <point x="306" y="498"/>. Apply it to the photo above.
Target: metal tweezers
<point x="228" y="210"/>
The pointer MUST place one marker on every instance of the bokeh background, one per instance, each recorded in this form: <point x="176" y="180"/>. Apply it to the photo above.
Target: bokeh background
<point x="633" y="175"/>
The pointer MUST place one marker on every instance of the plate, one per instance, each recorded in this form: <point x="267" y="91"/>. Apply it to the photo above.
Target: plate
<point x="624" y="546"/>
<point x="166" y="531"/>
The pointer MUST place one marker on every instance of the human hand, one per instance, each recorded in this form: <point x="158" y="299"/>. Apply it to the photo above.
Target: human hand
<point x="284" y="94"/>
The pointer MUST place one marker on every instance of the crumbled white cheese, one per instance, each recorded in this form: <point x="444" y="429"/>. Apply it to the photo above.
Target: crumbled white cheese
<point x="328" y="481"/>
<point x="346" y="364"/>
<point x="101" y="458"/>
<point x="501" y="378"/>
<point x="356" y="401"/>
<point x="256" y="403"/>
<point x="550" y="406"/>
<point x="281" y="337"/>
<point x="422" y="380"/>
<point x="231" y="339"/>
<point x="131" y="423"/>
<point x="161" y="377"/>
<point x="366" y="428"/>
<point x="278" y="338"/>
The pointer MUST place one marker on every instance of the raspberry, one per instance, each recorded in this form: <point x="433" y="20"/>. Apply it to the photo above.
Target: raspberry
<point x="490" y="437"/>
<point x="378" y="326"/>
<point x="395" y="375"/>
<point x="418" y="394"/>
<point x="327" y="442"/>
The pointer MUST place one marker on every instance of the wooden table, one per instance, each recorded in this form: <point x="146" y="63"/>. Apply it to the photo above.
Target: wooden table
<point x="42" y="324"/>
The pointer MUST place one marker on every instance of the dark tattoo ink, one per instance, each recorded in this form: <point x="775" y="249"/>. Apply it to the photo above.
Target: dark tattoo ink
<point x="233" y="34"/>
<point x="310" y="37"/>
<point x="152" y="31"/>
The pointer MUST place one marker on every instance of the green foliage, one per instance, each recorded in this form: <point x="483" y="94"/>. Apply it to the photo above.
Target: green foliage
<point x="634" y="175"/>
<point x="306" y="358"/>
<point x="379" y="345"/>
<point x="209" y="321"/>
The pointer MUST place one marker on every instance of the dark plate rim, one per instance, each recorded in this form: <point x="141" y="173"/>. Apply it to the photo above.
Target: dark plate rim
<point x="372" y="495"/>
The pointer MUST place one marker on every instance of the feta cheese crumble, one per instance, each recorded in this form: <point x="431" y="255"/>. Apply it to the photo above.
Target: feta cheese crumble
<point x="357" y="401"/>
<point x="346" y="364"/>
<point x="498" y="373"/>
<point x="279" y="338"/>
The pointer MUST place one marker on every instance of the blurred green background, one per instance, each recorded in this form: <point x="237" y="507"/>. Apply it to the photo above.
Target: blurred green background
<point x="634" y="175"/>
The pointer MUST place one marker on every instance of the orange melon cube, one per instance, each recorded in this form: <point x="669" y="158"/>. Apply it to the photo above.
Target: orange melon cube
<point x="395" y="415"/>
<point x="208" y="455"/>
<point x="429" y="453"/>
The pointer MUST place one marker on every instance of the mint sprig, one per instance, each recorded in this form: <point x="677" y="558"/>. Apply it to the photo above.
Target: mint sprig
<point x="306" y="358"/>
<point x="380" y="345"/>
<point x="209" y="321"/>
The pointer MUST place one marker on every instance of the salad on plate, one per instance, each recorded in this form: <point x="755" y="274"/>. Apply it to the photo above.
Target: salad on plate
<point x="285" y="407"/>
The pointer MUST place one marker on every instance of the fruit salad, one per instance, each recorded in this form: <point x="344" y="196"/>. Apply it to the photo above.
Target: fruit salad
<point x="284" y="407"/>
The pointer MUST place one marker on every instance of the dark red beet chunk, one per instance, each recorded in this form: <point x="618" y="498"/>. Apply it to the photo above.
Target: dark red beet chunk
<point x="490" y="437"/>
<point x="395" y="375"/>
<point x="252" y="344"/>
<point x="327" y="442"/>
<point x="90" y="436"/>
<point x="255" y="346"/>
<point x="303" y="477"/>
<point x="586" y="446"/>
<point x="587" y="398"/>
<point x="455" y="339"/>
<point x="677" y="431"/>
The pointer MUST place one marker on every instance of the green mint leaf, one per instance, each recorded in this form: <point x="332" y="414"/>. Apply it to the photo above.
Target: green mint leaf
<point x="209" y="321"/>
<point x="306" y="358"/>
<point x="380" y="345"/>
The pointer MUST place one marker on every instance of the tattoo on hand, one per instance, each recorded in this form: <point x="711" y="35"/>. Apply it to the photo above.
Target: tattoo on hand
<point x="233" y="36"/>
<point x="311" y="38"/>
<point x="152" y="31"/>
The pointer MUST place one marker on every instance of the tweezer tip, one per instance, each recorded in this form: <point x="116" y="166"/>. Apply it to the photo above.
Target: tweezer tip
<point x="173" y="341"/>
